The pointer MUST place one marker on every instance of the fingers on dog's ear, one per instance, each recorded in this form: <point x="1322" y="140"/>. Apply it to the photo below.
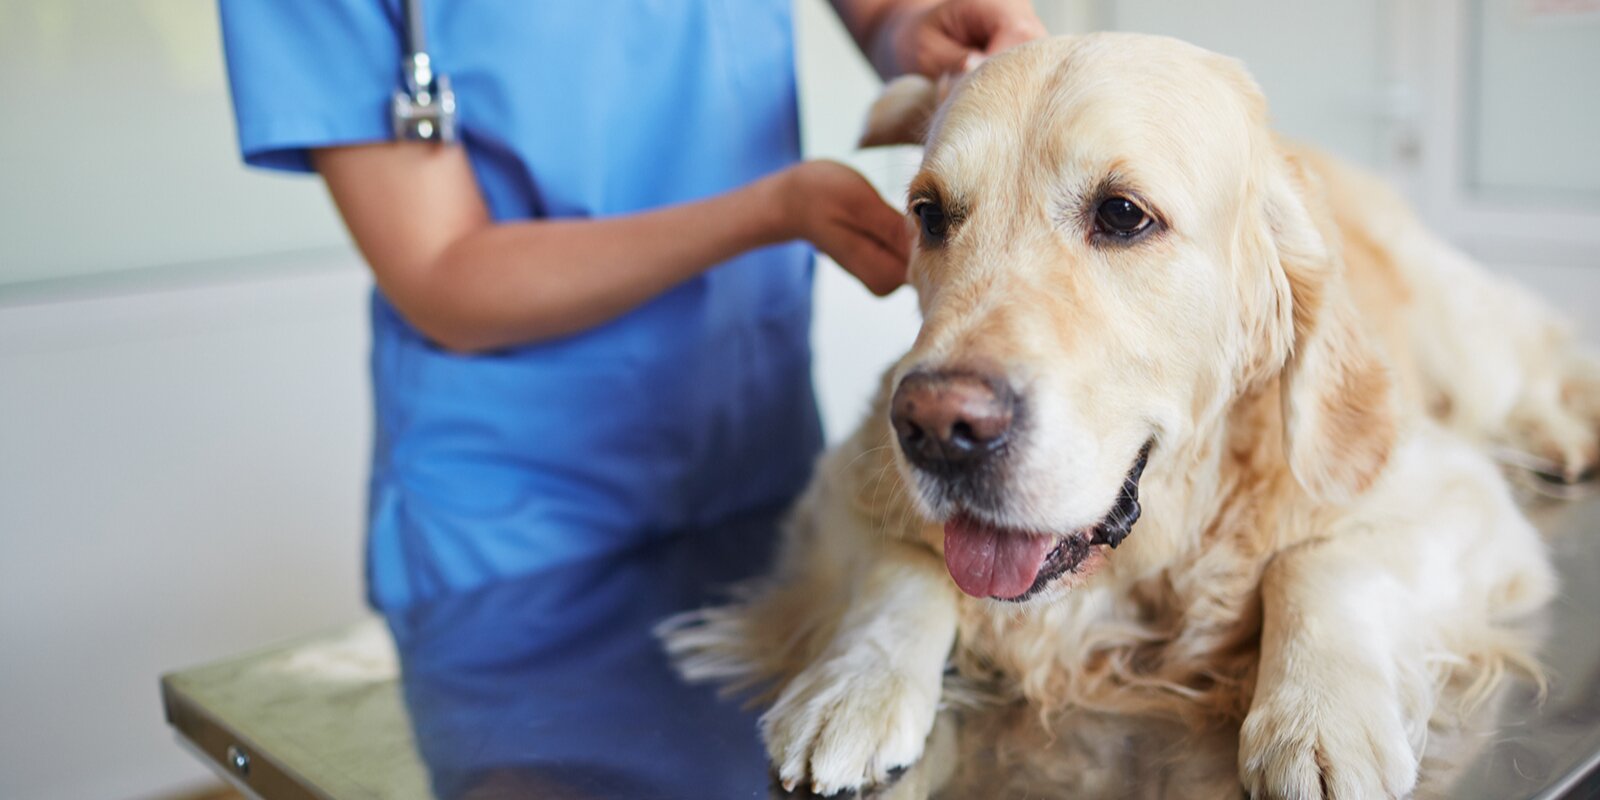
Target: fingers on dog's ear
<point x="892" y="253"/>
<point x="892" y="228"/>
<point x="876" y="266"/>
<point x="1013" y="34"/>
<point x="901" y="114"/>
<point x="883" y="223"/>
<point x="1340" y="414"/>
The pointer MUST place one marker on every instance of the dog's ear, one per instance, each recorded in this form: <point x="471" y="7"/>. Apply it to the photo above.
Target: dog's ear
<point x="902" y="113"/>
<point x="1339" y="412"/>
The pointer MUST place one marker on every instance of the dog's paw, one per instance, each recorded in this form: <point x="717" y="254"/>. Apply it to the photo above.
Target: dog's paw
<point x="1303" y="743"/>
<point x="1555" y="427"/>
<point x="849" y="723"/>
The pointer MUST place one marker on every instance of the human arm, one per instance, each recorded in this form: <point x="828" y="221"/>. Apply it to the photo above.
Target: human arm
<point x="934" y="37"/>
<point x="470" y="284"/>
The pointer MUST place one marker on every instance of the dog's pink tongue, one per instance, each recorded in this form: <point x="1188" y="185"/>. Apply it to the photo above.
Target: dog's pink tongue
<point x="991" y="562"/>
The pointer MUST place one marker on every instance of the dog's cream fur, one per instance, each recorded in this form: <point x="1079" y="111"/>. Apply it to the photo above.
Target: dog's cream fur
<point x="1324" y="539"/>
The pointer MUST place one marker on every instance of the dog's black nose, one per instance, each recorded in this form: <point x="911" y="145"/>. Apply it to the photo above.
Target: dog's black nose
<point x="951" y="421"/>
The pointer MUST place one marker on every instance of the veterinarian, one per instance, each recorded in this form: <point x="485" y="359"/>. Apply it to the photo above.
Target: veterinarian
<point x="592" y="310"/>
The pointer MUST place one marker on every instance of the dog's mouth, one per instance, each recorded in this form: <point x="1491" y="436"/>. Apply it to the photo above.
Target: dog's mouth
<point x="1010" y="564"/>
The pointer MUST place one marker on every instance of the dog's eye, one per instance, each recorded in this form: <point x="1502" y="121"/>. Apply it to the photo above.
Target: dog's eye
<point x="935" y="224"/>
<point x="1121" y="218"/>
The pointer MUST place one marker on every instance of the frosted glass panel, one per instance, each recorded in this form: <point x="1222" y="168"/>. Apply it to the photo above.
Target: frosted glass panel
<point x="1320" y="64"/>
<point x="117" y="150"/>
<point x="1533" y="102"/>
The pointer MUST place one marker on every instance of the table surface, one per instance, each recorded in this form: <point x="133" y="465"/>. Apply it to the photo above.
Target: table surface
<point x="552" y="686"/>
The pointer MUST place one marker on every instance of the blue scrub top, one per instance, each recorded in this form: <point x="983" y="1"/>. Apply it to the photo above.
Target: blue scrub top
<point x="692" y="409"/>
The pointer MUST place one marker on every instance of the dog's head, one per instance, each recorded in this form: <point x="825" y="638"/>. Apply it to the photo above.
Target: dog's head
<point x="1113" y="249"/>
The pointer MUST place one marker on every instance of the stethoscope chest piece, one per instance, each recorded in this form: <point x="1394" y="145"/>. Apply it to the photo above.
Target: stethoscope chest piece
<point x="424" y="109"/>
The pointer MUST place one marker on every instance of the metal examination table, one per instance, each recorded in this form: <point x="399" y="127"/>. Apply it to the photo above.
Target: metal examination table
<point x="551" y="686"/>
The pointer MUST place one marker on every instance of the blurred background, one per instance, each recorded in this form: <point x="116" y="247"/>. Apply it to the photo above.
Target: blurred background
<point x="184" y="414"/>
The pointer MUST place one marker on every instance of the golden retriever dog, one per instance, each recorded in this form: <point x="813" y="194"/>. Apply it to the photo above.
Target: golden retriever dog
<point x="1198" y="423"/>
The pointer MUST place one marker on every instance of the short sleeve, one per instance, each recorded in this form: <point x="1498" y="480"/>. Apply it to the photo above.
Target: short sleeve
<point x="309" y="73"/>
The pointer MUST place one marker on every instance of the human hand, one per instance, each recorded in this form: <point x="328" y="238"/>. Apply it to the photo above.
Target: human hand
<point x="952" y="36"/>
<point x="837" y="210"/>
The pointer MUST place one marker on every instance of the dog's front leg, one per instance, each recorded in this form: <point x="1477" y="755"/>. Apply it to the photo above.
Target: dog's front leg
<point x="1327" y="718"/>
<point x="865" y="707"/>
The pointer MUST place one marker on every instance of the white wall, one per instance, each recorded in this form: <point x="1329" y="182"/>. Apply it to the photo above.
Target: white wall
<point x="117" y="122"/>
<point x="179" y="481"/>
<point x="183" y="404"/>
<point x="1535" y="113"/>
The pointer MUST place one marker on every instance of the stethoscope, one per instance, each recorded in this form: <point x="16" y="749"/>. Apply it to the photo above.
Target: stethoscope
<point x="424" y="109"/>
